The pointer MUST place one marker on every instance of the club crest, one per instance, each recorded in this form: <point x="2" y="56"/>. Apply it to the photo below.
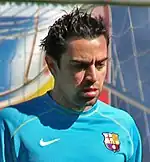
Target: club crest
<point x="111" y="141"/>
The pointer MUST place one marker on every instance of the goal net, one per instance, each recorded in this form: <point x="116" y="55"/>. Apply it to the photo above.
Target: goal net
<point x="24" y="74"/>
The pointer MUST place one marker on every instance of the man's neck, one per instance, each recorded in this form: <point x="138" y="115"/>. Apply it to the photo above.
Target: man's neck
<point x="62" y="101"/>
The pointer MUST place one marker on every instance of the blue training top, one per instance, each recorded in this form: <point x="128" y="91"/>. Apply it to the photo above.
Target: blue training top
<point x="42" y="131"/>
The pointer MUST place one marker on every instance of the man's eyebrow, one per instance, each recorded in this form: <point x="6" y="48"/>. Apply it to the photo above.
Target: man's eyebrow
<point x="102" y="60"/>
<point x="79" y="61"/>
<point x="84" y="61"/>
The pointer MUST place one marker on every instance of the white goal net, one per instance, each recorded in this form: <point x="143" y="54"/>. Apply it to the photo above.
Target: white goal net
<point x="130" y="66"/>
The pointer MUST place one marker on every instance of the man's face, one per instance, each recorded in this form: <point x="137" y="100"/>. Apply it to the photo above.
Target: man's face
<point x="82" y="71"/>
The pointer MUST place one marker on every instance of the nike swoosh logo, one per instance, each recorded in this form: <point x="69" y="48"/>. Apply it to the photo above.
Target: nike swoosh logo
<point x="46" y="143"/>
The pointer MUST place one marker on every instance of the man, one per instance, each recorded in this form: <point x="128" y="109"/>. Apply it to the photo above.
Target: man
<point x="69" y="124"/>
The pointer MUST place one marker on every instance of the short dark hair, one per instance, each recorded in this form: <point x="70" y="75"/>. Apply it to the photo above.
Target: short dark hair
<point x="77" y="24"/>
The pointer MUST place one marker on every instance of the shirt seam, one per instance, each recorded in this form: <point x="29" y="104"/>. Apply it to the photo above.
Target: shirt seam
<point x="29" y="120"/>
<point x="125" y="129"/>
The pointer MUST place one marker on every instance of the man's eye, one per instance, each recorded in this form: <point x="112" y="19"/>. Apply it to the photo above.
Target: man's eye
<point x="80" y="66"/>
<point x="100" y="66"/>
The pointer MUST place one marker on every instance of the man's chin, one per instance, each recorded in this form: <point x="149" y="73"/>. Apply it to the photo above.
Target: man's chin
<point x="88" y="101"/>
<point x="91" y="102"/>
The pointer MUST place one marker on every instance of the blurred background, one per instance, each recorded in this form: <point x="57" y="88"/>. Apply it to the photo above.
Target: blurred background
<point x="24" y="74"/>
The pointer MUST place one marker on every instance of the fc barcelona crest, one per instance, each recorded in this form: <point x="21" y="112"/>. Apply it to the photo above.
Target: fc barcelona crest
<point x="111" y="141"/>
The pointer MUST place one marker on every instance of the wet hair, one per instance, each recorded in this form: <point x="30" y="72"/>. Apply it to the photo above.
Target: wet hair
<point x="77" y="24"/>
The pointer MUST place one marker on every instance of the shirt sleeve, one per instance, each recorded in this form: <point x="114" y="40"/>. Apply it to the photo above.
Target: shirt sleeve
<point x="7" y="150"/>
<point x="137" y="144"/>
<point x="11" y="147"/>
<point x="1" y="141"/>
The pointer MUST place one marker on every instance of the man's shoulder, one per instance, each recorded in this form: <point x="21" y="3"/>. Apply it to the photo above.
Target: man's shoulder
<point x="117" y="115"/>
<point x="23" y="111"/>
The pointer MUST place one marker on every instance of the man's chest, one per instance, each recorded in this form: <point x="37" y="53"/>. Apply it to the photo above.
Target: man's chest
<point x="97" y="143"/>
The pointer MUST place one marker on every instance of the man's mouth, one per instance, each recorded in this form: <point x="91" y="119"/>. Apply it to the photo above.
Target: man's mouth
<point x="90" y="92"/>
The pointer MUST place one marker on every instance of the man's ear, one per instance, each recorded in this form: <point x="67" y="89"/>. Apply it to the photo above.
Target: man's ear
<point x="52" y="65"/>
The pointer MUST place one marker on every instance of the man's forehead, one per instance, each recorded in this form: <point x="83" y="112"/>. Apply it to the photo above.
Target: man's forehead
<point x="87" y="50"/>
<point x="95" y="41"/>
<point x="86" y="57"/>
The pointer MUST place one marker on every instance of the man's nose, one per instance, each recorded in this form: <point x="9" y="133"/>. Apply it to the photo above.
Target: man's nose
<point x="91" y="73"/>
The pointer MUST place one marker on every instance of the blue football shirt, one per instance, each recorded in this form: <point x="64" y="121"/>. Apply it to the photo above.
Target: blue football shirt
<point x="40" y="130"/>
